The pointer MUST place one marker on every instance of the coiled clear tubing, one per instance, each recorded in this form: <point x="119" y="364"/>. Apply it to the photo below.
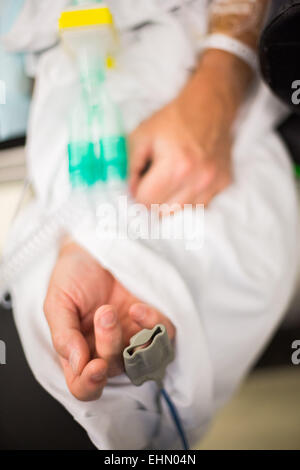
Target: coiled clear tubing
<point x="80" y="207"/>
<point x="47" y="234"/>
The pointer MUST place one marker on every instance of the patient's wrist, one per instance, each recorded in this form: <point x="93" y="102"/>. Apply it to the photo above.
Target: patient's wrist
<point x="210" y="99"/>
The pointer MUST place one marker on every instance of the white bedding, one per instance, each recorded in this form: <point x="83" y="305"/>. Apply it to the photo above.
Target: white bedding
<point x="225" y="299"/>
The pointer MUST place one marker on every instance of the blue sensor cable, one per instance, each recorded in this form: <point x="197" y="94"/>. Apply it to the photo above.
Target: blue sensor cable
<point x="176" y="418"/>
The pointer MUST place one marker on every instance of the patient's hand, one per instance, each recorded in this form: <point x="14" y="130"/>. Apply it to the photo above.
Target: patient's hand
<point x="92" y="317"/>
<point x="188" y="142"/>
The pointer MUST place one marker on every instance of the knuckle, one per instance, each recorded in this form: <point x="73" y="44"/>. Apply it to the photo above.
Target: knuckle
<point x="211" y="172"/>
<point x="184" y="167"/>
<point x="205" y="178"/>
<point x="74" y="293"/>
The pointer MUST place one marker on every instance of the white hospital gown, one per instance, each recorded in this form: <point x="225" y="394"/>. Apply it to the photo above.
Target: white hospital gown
<point x="226" y="298"/>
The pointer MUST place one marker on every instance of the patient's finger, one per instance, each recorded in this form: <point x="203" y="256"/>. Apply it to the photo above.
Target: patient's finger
<point x="108" y="336"/>
<point x="89" y="384"/>
<point x="178" y="200"/>
<point x="147" y="317"/>
<point x="64" y="324"/>
<point x="156" y="186"/>
<point x="140" y="153"/>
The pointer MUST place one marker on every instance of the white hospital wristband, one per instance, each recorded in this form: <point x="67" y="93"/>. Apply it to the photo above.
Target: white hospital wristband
<point x="228" y="44"/>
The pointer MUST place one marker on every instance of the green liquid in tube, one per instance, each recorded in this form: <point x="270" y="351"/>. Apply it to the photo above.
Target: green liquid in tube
<point x="90" y="163"/>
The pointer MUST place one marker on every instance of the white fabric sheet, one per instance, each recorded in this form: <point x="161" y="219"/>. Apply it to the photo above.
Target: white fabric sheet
<point x="225" y="299"/>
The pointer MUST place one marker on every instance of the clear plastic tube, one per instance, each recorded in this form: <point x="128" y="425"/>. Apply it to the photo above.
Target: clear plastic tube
<point x="40" y="239"/>
<point x="81" y="206"/>
<point x="97" y="150"/>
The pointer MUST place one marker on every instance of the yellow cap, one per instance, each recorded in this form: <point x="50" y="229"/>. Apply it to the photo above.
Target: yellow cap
<point x="87" y="17"/>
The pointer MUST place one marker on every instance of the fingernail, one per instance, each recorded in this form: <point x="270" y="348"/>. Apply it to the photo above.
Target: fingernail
<point x="140" y="312"/>
<point x="74" y="361"/>
<point x="98" y="377"/>
<point x="108" y="319"/>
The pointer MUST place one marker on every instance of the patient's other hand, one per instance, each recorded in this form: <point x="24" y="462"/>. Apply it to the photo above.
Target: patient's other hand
<point x="92" y="317"/>
<point x="182" y="154"/>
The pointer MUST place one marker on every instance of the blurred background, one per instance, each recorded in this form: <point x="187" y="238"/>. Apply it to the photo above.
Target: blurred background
<point x="265" y="412"/>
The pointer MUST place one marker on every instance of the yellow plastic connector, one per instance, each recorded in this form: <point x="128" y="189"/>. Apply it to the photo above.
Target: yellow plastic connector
<point x="88" y="17"/>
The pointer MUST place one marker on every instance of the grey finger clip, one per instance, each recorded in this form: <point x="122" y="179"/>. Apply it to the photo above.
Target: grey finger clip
<point x="148" y="354"/>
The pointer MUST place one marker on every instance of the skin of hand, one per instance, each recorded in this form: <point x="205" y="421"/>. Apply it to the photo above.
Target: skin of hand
<point x="185" y="146"/>
<point x="92" y="318"/>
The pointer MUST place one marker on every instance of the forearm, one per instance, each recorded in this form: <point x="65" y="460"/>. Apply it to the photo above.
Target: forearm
<point x="228" y="76"/>
<point x="240" y="19"/>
